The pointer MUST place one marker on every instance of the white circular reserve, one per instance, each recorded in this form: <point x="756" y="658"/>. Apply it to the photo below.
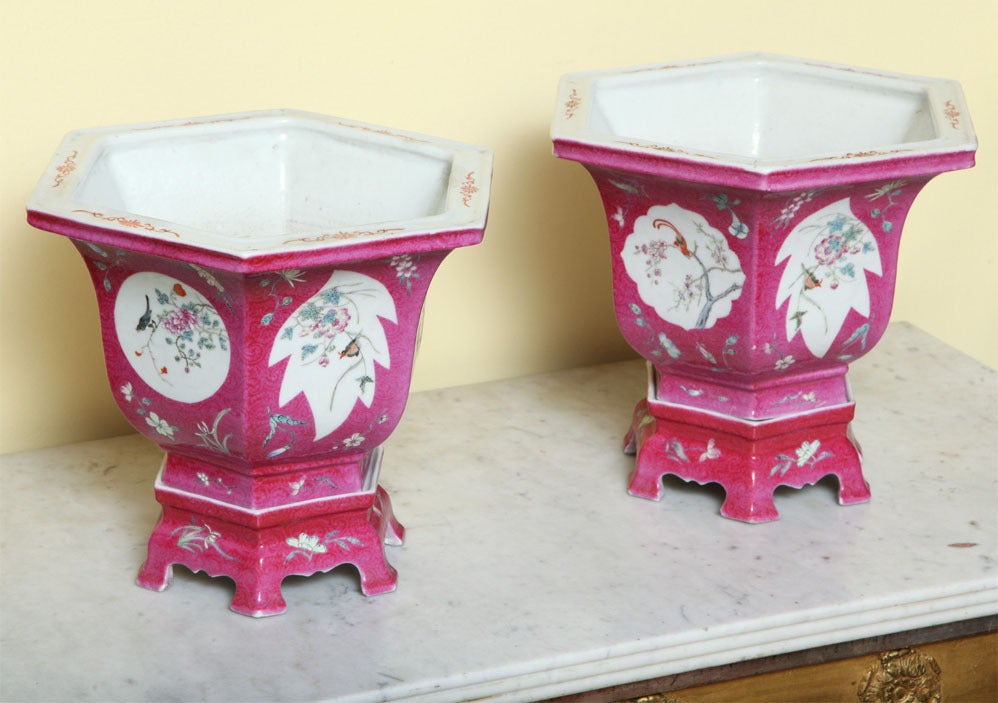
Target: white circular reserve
<point x="172" y="336"/>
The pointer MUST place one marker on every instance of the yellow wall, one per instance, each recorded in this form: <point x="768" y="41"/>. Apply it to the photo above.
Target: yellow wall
<point x="535" y="296"/>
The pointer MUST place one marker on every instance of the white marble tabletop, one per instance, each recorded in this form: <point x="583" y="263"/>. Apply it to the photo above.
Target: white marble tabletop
<point x="528" y="571"/>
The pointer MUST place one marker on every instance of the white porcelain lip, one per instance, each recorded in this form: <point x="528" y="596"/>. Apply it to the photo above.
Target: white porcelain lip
<point x="763" y="113"/>
<point x="271" y="182"/>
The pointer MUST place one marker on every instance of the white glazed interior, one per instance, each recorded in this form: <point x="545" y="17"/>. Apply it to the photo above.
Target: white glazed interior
<point x="264" y="179"/>
<point x="761" y="111"/>
<point x="267" y="181"/>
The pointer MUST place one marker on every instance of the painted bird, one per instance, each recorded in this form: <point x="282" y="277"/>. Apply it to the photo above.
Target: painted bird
<point x="146" y="318"/>
<point x="351" y="349"/>
<point x="810" y="280"/>
<point x="680" y="242"/>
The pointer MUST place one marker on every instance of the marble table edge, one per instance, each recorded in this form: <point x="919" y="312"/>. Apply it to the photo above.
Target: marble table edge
<point x="658" y="657"/>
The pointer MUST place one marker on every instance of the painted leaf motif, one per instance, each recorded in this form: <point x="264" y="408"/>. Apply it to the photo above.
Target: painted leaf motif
<point x="827" y="254"/>
<point x="332" y="343"/>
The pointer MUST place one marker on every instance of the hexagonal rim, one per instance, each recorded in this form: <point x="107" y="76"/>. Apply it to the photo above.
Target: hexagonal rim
<point x="953" y="148"/>
<point x="53" y="204"/>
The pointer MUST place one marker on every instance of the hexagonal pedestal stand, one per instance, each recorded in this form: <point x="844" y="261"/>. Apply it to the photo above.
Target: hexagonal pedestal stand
<point x="748" y="458"/>
<point x="258" y="548"/>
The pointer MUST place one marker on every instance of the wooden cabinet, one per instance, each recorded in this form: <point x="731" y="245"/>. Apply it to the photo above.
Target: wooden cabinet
<point x="958" y="670"/>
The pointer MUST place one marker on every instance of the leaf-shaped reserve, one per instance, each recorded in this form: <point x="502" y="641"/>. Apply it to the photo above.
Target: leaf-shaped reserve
<point x="332" y="343"/>
<point x="826" y="256"/>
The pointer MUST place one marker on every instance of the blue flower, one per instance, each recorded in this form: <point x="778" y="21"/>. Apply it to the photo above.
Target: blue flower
<point x="309" y="311"/>
<point x="329" y="317"/>
<point x="837" y="224"/>
<point x="331" y="296"/>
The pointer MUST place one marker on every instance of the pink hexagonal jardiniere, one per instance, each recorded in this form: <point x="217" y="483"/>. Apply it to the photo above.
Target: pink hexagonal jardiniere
<point x="755" y="206"/>
<point x="260" y="279"/>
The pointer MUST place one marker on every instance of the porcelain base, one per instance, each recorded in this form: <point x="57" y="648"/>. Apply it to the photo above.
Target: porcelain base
<point x="257" y="549"/>
<point x="748" y="458"/>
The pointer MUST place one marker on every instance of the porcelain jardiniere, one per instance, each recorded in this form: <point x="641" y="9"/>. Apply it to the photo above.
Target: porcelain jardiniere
<point x="260" y="279"/>
<point x="755" y="206"/>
